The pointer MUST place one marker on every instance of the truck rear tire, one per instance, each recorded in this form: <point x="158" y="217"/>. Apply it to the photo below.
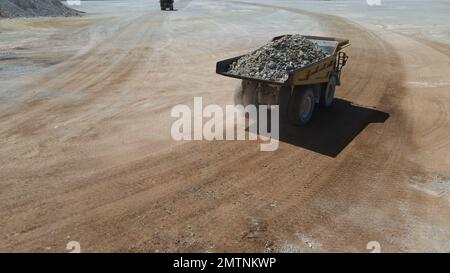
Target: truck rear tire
<point x="249" y="93"/>
<point x="327" y="93"/>
<point x="301" y="107"/>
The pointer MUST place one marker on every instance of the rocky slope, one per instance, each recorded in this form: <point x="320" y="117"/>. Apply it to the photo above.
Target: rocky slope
<point x="35" y="8"/>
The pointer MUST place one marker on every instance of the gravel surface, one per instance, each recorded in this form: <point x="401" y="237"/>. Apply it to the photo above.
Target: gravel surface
<point x="35" y="8"/>
<point x="86" y="152"/>
<point x="274" y="60"/>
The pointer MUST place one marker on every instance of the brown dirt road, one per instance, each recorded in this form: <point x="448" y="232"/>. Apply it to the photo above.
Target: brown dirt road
<point x="86" y="153"/>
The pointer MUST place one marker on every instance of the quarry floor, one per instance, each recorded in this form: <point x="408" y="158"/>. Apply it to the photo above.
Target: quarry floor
<point x="86" y="153"/>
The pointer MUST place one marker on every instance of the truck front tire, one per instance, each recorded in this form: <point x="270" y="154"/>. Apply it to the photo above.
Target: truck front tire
<point x="301" y="107"/>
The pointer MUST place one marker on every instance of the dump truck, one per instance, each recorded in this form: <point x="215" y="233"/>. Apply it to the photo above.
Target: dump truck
<point x="305" y="87"/>
<point x="166" y="4"/>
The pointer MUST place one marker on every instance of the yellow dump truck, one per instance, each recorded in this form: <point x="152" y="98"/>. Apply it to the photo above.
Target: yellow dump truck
<point x="305" y="87"/>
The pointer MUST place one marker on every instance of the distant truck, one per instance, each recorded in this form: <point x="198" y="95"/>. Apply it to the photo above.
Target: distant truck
<point x="166" y="4"/>
<point x="305" y="87"/>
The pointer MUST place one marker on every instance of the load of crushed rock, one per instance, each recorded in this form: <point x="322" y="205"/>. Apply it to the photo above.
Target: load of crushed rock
<point x="274" y="60"/>
<point x="35" y="8"/>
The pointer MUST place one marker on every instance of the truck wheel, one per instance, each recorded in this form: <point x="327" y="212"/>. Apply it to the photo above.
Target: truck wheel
<point x="302" y="106"/>
<point x="249" y="93"/>
<point x="327" y="93"/>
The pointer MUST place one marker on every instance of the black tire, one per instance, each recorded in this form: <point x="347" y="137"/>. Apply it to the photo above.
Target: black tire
<point x="283" y="102"/>
<point x="301" y="107"/>
<point x="327" y="93"/>
<point x="249" y="93"/>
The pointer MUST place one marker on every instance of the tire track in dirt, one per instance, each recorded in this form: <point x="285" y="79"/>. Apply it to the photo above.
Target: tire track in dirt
<point x="228" y="196"/>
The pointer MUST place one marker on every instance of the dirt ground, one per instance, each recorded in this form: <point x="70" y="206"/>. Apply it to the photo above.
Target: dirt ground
<point x="86" y="153"/>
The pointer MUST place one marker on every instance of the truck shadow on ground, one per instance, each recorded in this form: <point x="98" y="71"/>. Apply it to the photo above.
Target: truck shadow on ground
<point x="331" y="129"/>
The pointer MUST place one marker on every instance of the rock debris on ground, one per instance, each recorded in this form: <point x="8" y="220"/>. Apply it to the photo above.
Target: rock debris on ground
<point x="274" y="60"/>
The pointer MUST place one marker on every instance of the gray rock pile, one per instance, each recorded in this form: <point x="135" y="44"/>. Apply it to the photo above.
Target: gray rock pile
<point x="274" y="60"/>
<point x="35" y="8"/>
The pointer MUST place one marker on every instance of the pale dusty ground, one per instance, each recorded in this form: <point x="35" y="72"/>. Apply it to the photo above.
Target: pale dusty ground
<point x="86" y="153"/>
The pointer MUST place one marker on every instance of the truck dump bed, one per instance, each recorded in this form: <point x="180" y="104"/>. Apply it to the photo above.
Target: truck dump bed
<point x="313" y="73"/>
